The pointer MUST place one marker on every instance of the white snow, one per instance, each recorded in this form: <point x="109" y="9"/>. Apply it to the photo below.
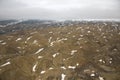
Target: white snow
<point x="5" y="64"/>
<point x="41" y="49"/>
<point x="71" y="67"/>
<point x="92" y="75"/>
<point x="18" y="39"/>
<point x="57" y="41"/>
<point x="73" y="51"/>
<point x="54" y="55"/>
<point x="34" y="67"/>
<point x="39" y="57"/>
<point x="63" y="76"/>
<point x="77" y="64"/>
<point x="29" y="38"/>
<point x="19" y="47"/>
<point x="52" y="43"/>
<point x="42" y="72"/>
<point x="49" y="40"/>
<point x="63" y="67"/>
<point x="89" y="32"/>
<point x="3" y="43"/>
<point x="81" y="35"/>
<point x="101" y="78"/>
<point x="35" y="42"/>
<point x="110" y="62"/>
<point x="100" y="60"/>
<point x="50" y="68"/>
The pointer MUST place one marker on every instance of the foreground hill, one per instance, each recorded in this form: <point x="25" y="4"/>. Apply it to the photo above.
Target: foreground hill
<point x="80" y="51"/>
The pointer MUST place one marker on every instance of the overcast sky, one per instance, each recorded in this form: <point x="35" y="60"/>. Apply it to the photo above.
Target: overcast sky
<point x="59" y="9"/>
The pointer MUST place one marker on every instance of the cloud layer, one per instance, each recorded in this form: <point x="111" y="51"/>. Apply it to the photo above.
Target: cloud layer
<point x="59" y="9"/>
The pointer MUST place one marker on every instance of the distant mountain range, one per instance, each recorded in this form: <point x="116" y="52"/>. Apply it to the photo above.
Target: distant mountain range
<point x="7" y="26"/>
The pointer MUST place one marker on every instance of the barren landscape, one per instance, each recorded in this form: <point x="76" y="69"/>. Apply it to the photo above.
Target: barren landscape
<point x="60" y="50"/>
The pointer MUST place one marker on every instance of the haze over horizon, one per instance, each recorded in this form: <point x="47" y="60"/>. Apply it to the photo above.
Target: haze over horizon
<point x="59" y="9"/>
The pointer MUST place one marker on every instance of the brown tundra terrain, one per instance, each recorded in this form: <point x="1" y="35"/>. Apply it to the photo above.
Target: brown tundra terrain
<point x="82" y="51"/>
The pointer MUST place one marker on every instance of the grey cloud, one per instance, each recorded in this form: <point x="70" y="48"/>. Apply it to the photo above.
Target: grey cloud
<point x="59" y="9"/>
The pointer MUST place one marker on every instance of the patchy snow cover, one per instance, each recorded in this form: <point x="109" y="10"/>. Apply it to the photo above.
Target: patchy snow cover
<point x="63" y="67"/>
<point x="88" y="31"/>
<point x="41" y="49"/>
<point x="92" y="75"/>
<point x="101" y="78"/>
<point x="52" y="43"/>
<point x="3" y="43"/>
<point x="57" y="41"/>
<point x="34" y="67"/>
<point x="50" y="68"/>
<point x="35" y="42"/>
<point x="19" y="47"/>
<point x="39" y="57"/>
<point x="81" y="35"/>
<point x="42" y="72"/>
<point x="29" y="38"/>
<point x="100" y="60"/>
<point x="77" y="64"/>
<point x="49" y="40"/>
<point x="63" y="76"/>
<point x="71" y="67"/>
<point x="18" y="39"/>
<point x="73" y="51"/>
<point x="54" y="55"/>
<point x="5" y="64"/>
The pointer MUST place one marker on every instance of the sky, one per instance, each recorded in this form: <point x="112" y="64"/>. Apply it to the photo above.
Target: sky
<point x="59" y="9"/>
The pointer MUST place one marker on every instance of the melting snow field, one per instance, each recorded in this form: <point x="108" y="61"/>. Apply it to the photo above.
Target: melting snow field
<point x="63" y="51"/>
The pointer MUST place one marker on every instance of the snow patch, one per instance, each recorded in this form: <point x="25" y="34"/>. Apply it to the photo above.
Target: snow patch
<point x="34" y="67"/>
<point x="39" y="57"/>
<point x="41" y="49"/>
<point x="5" y="64"/>
<point x="3" y="43"/>
<point x="29" y="38"/>
<point x="35" y="42"/>
<point x="49" y="40"/>
<point x="63" y="67"/>
<point x="50" y="68"/>
<point x="92" y="75"/>
<point x="42" y="72"/>
<point x="54" y="55"/>
<point x="63" y="76"/>
<point x="88" y="31"/>
<point x="73" y="51"/>
<point x="71" y="67"/>
<point x="18" y="39"/>
<point x="101" y="78"/>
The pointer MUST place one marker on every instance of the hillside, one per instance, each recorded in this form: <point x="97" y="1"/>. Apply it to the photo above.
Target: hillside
<point x="69" y="51"/>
